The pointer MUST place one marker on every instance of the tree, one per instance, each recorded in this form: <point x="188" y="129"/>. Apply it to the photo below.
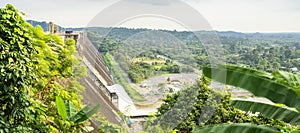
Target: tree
<point x="139" y="71"/>
<point x="174" y="69"/>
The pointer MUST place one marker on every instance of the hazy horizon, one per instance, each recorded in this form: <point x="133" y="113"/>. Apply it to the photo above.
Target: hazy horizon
<point x="174" y="29"/>
<point x="249" y="16"/>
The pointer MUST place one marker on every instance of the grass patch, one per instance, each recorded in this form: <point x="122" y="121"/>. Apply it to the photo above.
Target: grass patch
<point x="120" y="79"/>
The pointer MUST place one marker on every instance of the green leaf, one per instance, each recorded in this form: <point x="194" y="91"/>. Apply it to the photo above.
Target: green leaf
<point x="269" y="111"/>
<point x="61" y="108"/>
<point x="235" y="128"/>
<point x="296" y="131"/>
<point x="287" y="78"/>
<point x="80" y="113"/>
<point x="297" y="91"/>
<point x="10" y="60"/>
<point x="255" y="83"/>
<point x="88" y="129"/>
<point x="88" y="114"/>
<point x="70" y="108"/>
<point x="249" y="71"/>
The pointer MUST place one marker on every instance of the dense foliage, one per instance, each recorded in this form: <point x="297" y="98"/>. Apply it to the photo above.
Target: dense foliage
<point x="210" y="108"/>
<point x="282" y="88"/>
<point x="103" y="44"/>
<point x="263" y="51"/>
<point x="17" y="74"/>
<point x="139" y="71"/>
<point x="71" y="119"/>
<point x="35" y="69"/>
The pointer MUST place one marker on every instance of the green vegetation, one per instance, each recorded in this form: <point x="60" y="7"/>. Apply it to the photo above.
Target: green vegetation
<point x="139" y="71"/>
<point x="140" y="67"/>
<point x="208" y="108"/>
<point x="236" y="128"/>
<point x="17" y="74"/>
<point x="280" y="87"/>
<point x="120" y="79"/>
<point x="104" y="44"/>
<point x="38" y="69"/>
<point x="108" y="127"/>
<point x="255" y="81"/>
<point x="72" y="120"/>
<point x="262" y="51"/>
<point x="270" y="111"/>
<point x="147" y="64"/>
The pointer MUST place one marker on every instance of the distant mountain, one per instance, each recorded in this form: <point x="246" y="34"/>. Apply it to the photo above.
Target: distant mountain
<point x="121" y="33"/>
<point x="232" y="34"/>
<point x="45" y="24"/>
<point x="124" y="33"/>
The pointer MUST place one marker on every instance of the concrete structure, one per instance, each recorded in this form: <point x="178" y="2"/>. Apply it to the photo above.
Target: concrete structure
<point x="100" y="87"/>
<point x="97" y="90"/>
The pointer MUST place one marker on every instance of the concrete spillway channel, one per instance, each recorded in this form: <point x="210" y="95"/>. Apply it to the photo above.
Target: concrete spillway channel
<point x="96" y="91"/>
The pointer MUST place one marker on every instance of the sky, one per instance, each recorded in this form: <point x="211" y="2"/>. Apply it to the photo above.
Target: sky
<point x="222" y="15"/>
